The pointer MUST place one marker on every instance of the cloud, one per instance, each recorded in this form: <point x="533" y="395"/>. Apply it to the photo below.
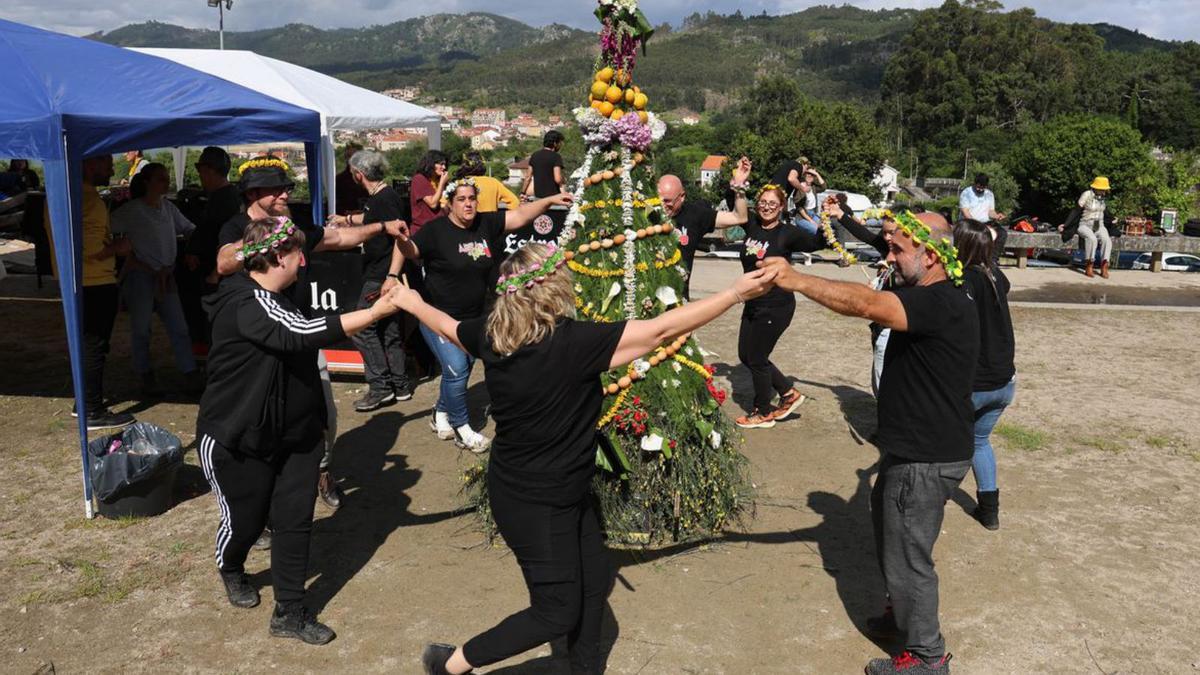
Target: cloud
<point x="1167" y="19"/>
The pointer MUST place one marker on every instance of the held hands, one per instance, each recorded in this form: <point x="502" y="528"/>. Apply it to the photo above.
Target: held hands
<point x="561" y="199"/>
<point x="396" y="228"/>
<point x="401" y="298"/>
<point x="833" y="208"/>
<point x="753" y="284"/>
<point x="782" y="273"/>
<point x="388" y="284"/>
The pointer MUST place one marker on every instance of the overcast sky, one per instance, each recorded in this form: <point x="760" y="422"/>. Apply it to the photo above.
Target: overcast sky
<point x="1167" y="19"/>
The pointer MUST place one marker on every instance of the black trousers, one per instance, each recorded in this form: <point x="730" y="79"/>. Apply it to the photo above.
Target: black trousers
<point x="382" y="347"/>
<point x="908" y="503"/>
<point x="248" y="489"/>
<point x="561" y="553"/>
<point x="762" y="326"/>
<point x="99" y="314"/>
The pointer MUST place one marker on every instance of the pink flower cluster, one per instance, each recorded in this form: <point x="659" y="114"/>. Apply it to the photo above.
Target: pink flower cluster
<point x="632" y="133"/>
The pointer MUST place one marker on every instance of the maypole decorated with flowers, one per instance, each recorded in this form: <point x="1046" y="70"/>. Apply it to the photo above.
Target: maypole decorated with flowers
<point x="670" y="465"/>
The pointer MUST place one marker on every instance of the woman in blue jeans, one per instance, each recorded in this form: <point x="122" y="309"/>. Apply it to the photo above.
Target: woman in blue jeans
<point x="995" y="374"/>
<point x="458" y="254"/>
<point x="151" y="223"/>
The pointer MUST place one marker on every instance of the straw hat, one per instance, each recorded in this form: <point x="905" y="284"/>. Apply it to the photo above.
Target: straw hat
<point x="1101" y="183"/>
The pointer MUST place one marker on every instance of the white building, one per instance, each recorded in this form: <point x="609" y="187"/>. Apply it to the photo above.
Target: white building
<point x="710" y="168"/>
<point x="888" y="182"/>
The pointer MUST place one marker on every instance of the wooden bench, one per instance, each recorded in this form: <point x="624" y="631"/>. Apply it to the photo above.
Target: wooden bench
<point x="1021" y="242"/>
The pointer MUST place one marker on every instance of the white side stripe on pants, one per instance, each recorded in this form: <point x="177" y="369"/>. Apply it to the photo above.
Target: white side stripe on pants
<point x="225" y="529"/>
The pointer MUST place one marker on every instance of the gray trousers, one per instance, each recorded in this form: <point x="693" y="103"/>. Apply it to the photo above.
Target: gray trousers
<point x="381" y="346"/>
<point x="908" y="503"/>
<point x="1089" y="232"/>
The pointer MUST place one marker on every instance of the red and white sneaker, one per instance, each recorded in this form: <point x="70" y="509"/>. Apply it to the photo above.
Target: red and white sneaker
<point x="755" y="420"/>
<point x="908" y="664"/>
<point x="788" y="403"/>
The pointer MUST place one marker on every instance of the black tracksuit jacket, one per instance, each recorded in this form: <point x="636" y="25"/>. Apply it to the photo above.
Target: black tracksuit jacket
<point x="263" y="394"/>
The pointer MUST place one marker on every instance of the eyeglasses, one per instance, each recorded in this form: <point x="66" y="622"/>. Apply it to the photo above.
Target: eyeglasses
<point x="769" y="206"/>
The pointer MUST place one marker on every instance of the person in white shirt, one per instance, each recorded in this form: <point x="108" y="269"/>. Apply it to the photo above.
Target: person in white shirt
<point x="151" y="223"/>
<point x="976" y="202"/>
<point x="1092" y="204"/>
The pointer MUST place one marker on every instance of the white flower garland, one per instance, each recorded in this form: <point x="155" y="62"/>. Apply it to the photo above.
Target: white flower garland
<point x="452" y="187"/>
<point x="573" y="214"/>
<point x="630" y="233"/>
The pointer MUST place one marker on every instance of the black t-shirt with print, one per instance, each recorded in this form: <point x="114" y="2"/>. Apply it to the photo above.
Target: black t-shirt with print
<point x="380" y="207"/>
<point x="780" y="241"/>
<point x="541" y="164"/>
<point x="996" y="344"/>
<point x="458" y="262"/>
<point x="925" y="411"/>
<point x="546" y="399"/>
<point x="694" y="221"/>
<point x="298" y="293"/>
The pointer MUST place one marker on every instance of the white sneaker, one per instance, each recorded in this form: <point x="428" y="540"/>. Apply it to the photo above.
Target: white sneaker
<point x="440" y="425"/>
<point x="469" y="439"/>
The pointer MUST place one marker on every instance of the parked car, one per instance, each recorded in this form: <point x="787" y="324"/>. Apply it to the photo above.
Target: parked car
<point x="1172" y="262"/>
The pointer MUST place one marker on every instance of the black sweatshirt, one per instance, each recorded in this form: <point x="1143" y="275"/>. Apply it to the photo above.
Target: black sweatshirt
<point x="264" y="389"/>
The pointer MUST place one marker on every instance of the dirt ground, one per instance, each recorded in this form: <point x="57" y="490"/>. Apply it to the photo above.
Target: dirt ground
<point x="1096" y="567"/>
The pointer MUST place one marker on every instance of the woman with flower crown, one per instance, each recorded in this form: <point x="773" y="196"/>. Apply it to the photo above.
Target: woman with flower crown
<point x="543" y="373"/>
<point x="457" y="252"/>
<point x="765" y="319"/>
<point x="261" y="422"/>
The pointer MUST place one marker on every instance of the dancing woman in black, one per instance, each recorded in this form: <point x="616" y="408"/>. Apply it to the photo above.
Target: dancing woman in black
<point x="261" y="421"/>
<point x="765" y="319"/>
<point x="543" y="374"/>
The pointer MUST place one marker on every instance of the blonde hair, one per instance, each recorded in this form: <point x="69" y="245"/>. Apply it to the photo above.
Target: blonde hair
<point x="530" y="314"/>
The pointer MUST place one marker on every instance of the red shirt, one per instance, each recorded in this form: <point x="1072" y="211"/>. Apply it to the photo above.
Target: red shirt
<point x="421" y="213"/>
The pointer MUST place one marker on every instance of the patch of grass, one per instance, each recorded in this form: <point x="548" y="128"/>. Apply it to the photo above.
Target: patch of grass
<point x="1103" y="444"/>
<point x="1022" y="438"/>
<point x="1161" y="442"/>
<point x="181" y="547"/>
<point x="102" y="523"/>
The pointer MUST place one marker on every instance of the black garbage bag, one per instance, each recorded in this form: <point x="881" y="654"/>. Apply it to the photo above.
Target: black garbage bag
<point x="144" y="453"/>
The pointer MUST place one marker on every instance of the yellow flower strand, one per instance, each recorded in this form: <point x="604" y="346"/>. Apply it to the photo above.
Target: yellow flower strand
<point x="831" y="239"/>
<point x="608" y="274"/>
<point x="265" y="162"/>
<point x="588" y="313"/>
<point x="700" y="370"/>
<point x="612" y="412"/>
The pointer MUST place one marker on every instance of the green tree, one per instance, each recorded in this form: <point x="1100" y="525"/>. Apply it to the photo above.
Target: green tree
<point x="1054" y="162"/>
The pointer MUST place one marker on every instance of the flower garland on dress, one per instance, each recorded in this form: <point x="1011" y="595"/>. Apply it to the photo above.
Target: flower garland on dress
<point x="574" y="215"/>
<point x="944" y="248"/>
<point x="264" y="163"/>
<point x="630" y="234"/>
<point x="609" y="274"/>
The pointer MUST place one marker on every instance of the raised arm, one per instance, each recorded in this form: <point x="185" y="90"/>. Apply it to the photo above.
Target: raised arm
<point x="857" y="229"/>
<point x="850" y="299"/>
<point x="642" y="336"/>
<point x="524" y="214"/>
<point x="741" y="211"/>
<point x="435" y="319"/>
<point x="267" y="323"/>
<point x="794" y="179"/>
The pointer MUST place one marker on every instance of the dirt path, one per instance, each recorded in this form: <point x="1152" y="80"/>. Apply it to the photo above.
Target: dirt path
<point x="1096" y="567"/>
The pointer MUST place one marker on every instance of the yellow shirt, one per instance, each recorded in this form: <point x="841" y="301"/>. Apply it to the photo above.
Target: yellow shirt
<point x="492" y="192"/>
<point x="96" y="236"/>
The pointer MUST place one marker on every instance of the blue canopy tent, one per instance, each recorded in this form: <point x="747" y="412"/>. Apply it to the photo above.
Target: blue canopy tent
<point x="68" y="98"/>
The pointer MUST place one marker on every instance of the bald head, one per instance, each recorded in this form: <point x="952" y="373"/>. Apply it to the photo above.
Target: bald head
<point x="914" y="264"/>
<point x="938" y="226"/>
<point x="670" y="191"/>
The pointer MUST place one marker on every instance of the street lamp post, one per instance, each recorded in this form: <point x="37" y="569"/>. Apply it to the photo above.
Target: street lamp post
<point x="221" y="6"/>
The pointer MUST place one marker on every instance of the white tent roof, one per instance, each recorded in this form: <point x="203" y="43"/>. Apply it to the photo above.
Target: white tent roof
<point x="343" y="106"/>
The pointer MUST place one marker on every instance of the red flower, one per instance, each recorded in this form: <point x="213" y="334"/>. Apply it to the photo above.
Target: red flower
<point x="637" y="400"/>
<point x="710" y="368"/>
<point x="671" y="444"/>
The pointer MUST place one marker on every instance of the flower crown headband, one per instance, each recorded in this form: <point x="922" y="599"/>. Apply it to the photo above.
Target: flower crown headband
<point x="284" y="228"/>
<point x="944" y="248"/>
<point x="515" y="280"/>
<point x="766" y="188"/>
<point x="452" y="187"/>
<point x="264" y="163"/>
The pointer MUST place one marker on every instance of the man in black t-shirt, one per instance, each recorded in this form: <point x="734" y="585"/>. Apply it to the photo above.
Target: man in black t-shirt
<point x="199" y="274"/>
<point x="265" y="190"/>
<point x="694" y="220"/>
<point x="545" y="168"/>
<point x="382" y="344"/>
<point x="926" y="424"/>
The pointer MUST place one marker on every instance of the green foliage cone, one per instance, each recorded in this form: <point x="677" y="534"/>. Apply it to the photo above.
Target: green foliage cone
<point x="673" y="470"/>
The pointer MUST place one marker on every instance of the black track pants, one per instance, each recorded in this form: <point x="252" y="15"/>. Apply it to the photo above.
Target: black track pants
<point x="762" y="326"/>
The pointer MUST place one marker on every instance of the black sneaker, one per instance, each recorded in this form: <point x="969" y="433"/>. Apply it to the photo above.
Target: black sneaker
<point x="263" y="543"/>
<point x="329" y="490"/>
<point x="909" y="664"/>
<point x="435" y="656"/>
<point x="403" y="392"/>
<point x="300" y="623"/>
<point x="238" y="588"/>
<point x="374" y="400"/>
<point x="107" y="419"/>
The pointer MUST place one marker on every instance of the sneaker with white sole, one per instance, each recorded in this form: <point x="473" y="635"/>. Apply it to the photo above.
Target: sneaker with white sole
<point x="440" y="425"/>
<point x="788" y="403"/>
<point x="467" y="438"/>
